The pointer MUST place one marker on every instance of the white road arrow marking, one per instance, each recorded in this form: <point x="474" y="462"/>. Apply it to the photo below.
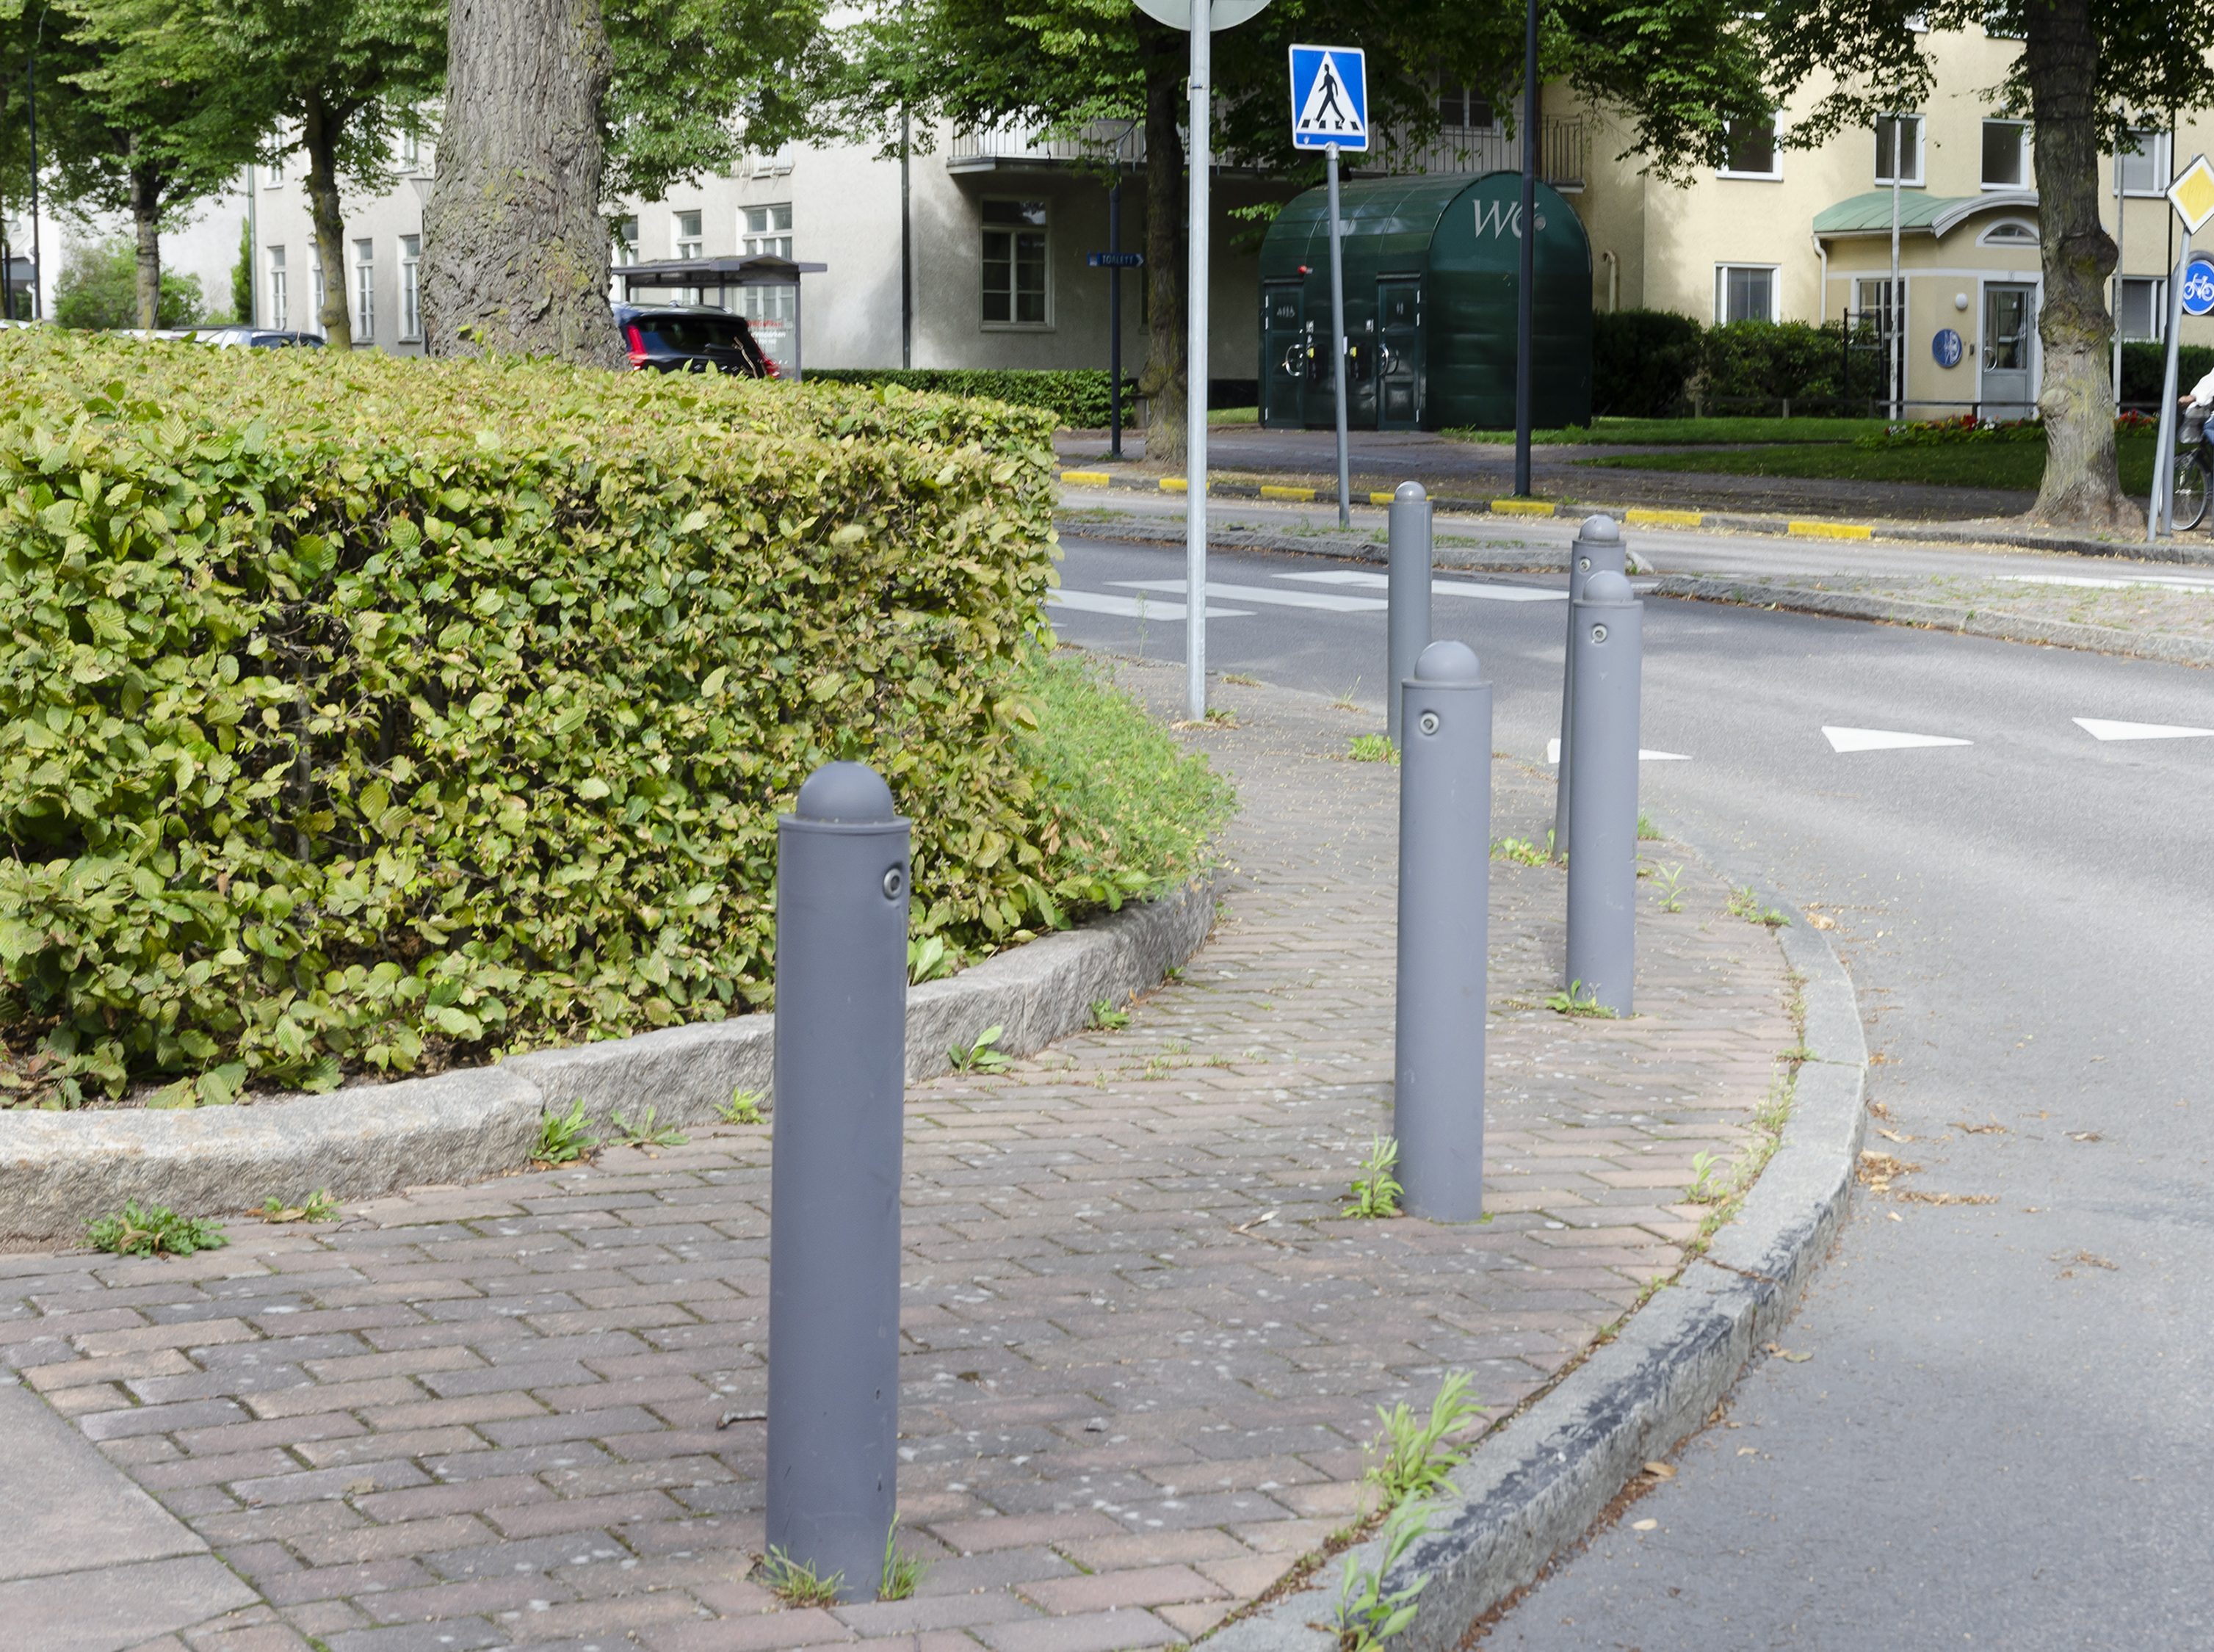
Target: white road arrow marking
<point x="1884" y="739"/>
<point x="1553" y="754"/>
<point x="1099" y="602"/>
<point x="2100" y="729"/>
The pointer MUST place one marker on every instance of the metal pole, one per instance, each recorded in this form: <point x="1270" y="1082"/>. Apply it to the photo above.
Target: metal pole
<point x="2121" y="263"/>
<point x="1897" y="354"/>
<point x="1598" y="548"/>
<point x="1195" y="371"/>
<point x="797" y="286"/>
<point x="1445" y="893"/>
<point x="1407" y="623"/>
<point x="841" y="1073"/>
<point x="38" y="260"/>
<point x="252" y="316"/>
<point x="1526" y="298"/>
<point x="1603" y="867"/>
<point x="1337" y="338"/>
<point x="1115" y="315"/>
<point x="2159" y="509"/>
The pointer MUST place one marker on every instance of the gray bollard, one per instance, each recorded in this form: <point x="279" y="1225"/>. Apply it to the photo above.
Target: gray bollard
<point x="834" y="1272"/>
<point x="1596" y="548"/>
<point x="1407" y="626"/>
<point x="1607" y="642"/>
<point x="1445" y="892"/>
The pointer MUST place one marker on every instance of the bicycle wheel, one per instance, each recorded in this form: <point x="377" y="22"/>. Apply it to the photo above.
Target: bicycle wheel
<point x="2187" y="495"/>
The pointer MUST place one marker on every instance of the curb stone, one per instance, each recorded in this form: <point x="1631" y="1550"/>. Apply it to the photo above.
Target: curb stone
<point x="59" y="1169"/>
<point x="1519" y="558"/>
<point x="1535" y="1486"/>
<point x="1950" y="616"/>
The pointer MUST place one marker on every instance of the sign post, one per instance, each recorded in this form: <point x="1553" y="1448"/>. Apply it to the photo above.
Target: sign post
<point x="1209" y="15"/>
<point x="2192" y="194"/>
<point x="1115" y="260"/>
<point x="1329" y="112"/>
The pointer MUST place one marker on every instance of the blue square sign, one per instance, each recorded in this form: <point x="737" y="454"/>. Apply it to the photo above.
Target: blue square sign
<point x="1329" y="97"/>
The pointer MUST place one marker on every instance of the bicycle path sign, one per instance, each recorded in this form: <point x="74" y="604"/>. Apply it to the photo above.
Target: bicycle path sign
<point x="1329" y="97"/>
<point x="2199" y="288"/>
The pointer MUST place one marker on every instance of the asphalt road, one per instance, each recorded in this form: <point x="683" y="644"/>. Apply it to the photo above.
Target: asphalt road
<point x="2004" y="1435"/>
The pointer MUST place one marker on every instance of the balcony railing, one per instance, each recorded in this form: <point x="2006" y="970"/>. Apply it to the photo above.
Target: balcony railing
<point x="1098" y="145"/>
<point x="1563" y="152"/>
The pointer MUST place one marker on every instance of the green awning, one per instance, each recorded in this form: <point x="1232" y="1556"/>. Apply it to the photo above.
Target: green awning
<point x="1918" y="210"/>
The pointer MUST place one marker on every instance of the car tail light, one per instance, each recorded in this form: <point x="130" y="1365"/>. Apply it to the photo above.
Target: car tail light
<point x="637" y="337"/>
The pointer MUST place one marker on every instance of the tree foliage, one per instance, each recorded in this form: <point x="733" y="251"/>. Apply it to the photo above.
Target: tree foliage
<point x="98" y="289"/>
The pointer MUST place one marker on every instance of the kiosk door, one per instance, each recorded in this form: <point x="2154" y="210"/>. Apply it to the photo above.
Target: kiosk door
<point x="1399" y="355"/>
<point x="1283" y="355"/>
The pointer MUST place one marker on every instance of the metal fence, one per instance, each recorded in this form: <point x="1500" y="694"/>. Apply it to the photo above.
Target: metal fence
<point x="1096" y="144"/>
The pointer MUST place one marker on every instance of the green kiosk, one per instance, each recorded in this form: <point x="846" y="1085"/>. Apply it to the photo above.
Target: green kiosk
<point x="1431" y="266"/>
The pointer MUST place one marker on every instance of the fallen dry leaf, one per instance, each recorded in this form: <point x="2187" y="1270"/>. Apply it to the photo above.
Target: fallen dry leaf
<point x="1748" y="1451"/>
<point x="1819" y="920"/>
<point x="1643" y="1526"/>
<point x="1878" y="1168"/>
<point x="2083" y="1259"/>
<point x="2083" y="1135"/>
<point x="1660" y="1471"/>
<point x="1914" y="1196"/>
<point x="1894" y="1215"/>
<point x="1786" y="1354"/>
<point x="1877" y="1107"/>
<point x="1992" y="1128"/>
<point x="1892" y="1135"/>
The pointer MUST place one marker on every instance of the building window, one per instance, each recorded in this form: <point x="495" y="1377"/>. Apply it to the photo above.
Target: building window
<point x="275" y="171"/>
<point x="775" y="165"/>
<point x="1750" y="148"/>
<point x="2144" y="160"/>
<point x="2006" y="144"/>
<point x="364" y="291"/>
<point x="627" y="240"/>
<point x="279" y="307"/>
<point x="1745" y="293"/>
<point x="765" y="229"/>
<point x="411" y="150"/>
<point x="1459" y="106"/>
<point x="689" y="244"/>
<point x="319" y="290"/>
<point x="1901" y="134"/>
<point x="1015" y="264"/>
<point x="2009" y="232"/>
<point x="410" y="288"/>
<point x="1874" y="305"/>
<point x="2143" y="311"/>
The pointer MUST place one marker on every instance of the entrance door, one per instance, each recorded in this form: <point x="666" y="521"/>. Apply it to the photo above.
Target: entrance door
<point x="1399" y="355"/>
<point x="2009" y="340"/>
<point x="1283" y="355"/>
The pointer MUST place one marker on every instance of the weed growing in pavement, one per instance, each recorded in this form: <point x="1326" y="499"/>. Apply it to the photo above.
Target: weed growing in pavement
<point x="318" y="1206"/>
<point x="1744" y="903"/>
<point x="1412" y="1459"/>
<point x="645" y="1134"/>
<point x="136" y="1231"/>
<point x="982" y="1057"/>
<point x="902" y="1572"/>
<point x="1371" y="749"/>
<point x="1105" y="1018"/>
<point x="1367" y="1616"/>
<point x="1705" y="1190"/>
<point x="1377" y="1194"/>
<point x="797" y="1585"/>
<point x="1241" y="679"/>
<point x="1344" y="700"/>
<point x="1647" y="831"/>
<point x="928" y="957"/>
<point x="1174" y="977"/>
<point x="1579" y="999"/>
<point x="1671" y="896"/>
<point x="561" y="1138"/>
<point x="742" y="1108"/>
<point x="1775" y="1113"/>
<point x="1521" y="851"/>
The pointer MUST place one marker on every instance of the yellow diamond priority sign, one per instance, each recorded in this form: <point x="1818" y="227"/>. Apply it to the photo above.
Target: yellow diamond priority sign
<point x="2192" y="192"/>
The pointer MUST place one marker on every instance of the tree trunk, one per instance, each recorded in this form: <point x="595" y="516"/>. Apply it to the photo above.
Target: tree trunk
<point x="1165" y="379"/>
<point x="515" y="251"/>
<point x="2081" y="487"/>
<point x="146" y="220"/>
<point x="319" y="140"/>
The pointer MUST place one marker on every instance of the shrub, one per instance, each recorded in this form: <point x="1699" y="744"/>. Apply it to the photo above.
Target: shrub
<point x="1770" y="361"/>
<point x="1642" y="360"/>
<point x="364" y="713"/>
<point x="1077" y="398"/>
<point x="2144" y="368"/>
<point x="98" y="288"/>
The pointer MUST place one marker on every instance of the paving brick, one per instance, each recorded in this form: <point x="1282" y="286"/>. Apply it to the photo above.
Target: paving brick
<point x="1103" y="1632"/>
<point x="1144" y="1586"/>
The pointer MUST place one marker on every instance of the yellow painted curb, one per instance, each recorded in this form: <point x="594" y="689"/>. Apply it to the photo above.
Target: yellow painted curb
<point x="1379" y="498"/>
<point x="1833" y="531"/>
<point x="1288" y="492"/>
<point x="1520" y="508"/>
<point x="1175" y="485"/>
<point x="1663" y="518"/>
<point x="1096" y="478"/>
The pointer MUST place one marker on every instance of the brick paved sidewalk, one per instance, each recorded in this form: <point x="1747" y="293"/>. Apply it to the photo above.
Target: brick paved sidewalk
<point x="1143" y="1349"/>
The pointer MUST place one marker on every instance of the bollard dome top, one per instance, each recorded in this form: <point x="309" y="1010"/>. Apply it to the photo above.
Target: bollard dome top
<point x="1600" y="529"/>
<point x="1607" y="586"/>
<point x="1409" y="490"/>
<point x="852" y="793"/>
<point x="1449" y="662"/>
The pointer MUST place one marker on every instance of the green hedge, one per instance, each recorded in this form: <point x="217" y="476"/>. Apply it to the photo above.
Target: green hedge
<point x="2144" y="370"/>
<point x="362" y="712"/>
<point x="1641" y="361"/>
<point x="1653" y="363"/>
<point x="1078" y="399"/>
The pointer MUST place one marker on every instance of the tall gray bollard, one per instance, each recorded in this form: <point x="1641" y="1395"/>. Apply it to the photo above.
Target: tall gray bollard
<point x="1607" y="642"/>
<point x="1408" y="624"/>
<point x="1445" y="892"/>
<point x="1596" y="548"/>
<point x="833" y="1270"/>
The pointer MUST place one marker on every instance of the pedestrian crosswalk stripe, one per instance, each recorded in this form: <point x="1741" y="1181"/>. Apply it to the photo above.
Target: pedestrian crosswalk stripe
<point x="1489" y="593"/>
<point x="2100" y="729"/>
<point x="1884" y="739"/>
<point x="1131" y="608"/>
<point x="1263" y="594"/>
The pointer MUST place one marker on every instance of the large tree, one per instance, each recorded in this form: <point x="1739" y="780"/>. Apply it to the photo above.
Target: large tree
<point x="1681" y="70"/>
<point x="2087" y="71"/>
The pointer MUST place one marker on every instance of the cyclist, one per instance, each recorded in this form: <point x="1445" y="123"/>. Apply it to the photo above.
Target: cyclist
<point x="2193" y="467"/>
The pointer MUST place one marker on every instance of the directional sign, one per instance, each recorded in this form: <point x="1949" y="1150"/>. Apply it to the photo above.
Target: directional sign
<point x="2193" y="193"/>
<point x="2199" y="288"/>
<point x="1329" y="97"/>
<point x="1116" y="260"/>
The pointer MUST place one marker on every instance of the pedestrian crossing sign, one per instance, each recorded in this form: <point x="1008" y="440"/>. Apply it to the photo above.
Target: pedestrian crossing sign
<point x="1329" y="97"/>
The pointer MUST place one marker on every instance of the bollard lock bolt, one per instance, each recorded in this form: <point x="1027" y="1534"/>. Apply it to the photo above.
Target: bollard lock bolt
<point x="894" y="881"/>
<point x="1429" y="722"/>
<point x="1599" y="633"/>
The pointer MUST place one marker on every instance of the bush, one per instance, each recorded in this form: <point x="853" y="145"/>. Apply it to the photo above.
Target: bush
<point x="1641" y="359"/>
<point x="98" y="288"/>
<point x="362" y="712"/>
<point x="2145" y="369"/>
<point x="1770" y="361"/>
<point x="1078" y="399"/>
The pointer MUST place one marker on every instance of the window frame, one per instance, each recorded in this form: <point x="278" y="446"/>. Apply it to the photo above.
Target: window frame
<point x="2156" y="308"/>
<point x="2020" y="155"/>
<point x="1773" y="271"/>
<point x="772" y="231"/>
<point x="280" y="307"/>
<point x="1045" y="232"/>
<point x="1774" y="174"/>
<point x="1989" y="235"/>
<point x="2158" y="156"/>
<point x="411" y="290"/>
<point x="697" y="240"/>
<point x="1919" y="172"/>
<point x="364" y="293"/>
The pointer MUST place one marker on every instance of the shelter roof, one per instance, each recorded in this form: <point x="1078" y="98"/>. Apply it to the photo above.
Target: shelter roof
<point x="1919" y="211"/>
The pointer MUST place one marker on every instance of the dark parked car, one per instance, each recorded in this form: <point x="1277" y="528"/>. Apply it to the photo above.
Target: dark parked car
<point x="691" y="338"/>
<point x="258" y="338"/>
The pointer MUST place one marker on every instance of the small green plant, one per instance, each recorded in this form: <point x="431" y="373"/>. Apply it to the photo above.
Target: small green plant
<point x="902" y="1572"/>
<point x="797" y="1585"/>
<point x="1705" y="1190"/>
<point x="136" y="1231"/>
<point x="1412" y="1459"/>
<point x="1579" y="1000"/>
<point x="1377" y="1194"/>
<point x="1744" y="903"/>
<point x="1672" y="897"/>
<point x="644" y="1133"/>
<point x="1106" y="1017"/>
<point x="1647" y="831"/>
<point x="561" y="1138"/>
<point x="1367" y="1616"/>
<point x="929" y="958"/>
<point x="1521" y="851"/>
<point x="982" y="1057"/>
<point x="742" y="1108"/>
<point x="1241" y="679"/>
<point x="1775" y="1113"/>
<point x="1371" y="749"/>
<point x="1344" y="702"/>
<point x="318" y="1206"/>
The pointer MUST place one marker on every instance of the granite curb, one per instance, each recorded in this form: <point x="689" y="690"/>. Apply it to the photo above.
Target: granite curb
<point x="1538" y="1484"/>
<point x="1946" y="616"/>
<point x="58" y="1170"/>
<point x="1543" y="558"/>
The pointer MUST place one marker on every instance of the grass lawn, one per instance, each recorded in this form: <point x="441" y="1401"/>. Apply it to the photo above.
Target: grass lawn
<point x="1233" y="415"/>
<point x="1957" y="464"/>
<point x="1689" y="432"/>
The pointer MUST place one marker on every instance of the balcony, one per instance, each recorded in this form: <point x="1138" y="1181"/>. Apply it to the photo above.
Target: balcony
<point x="1028" y="148"/>
<point x="1563" y="153"/>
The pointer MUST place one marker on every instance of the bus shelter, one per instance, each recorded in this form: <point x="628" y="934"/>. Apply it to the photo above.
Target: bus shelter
<point x="692" y="279"/>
